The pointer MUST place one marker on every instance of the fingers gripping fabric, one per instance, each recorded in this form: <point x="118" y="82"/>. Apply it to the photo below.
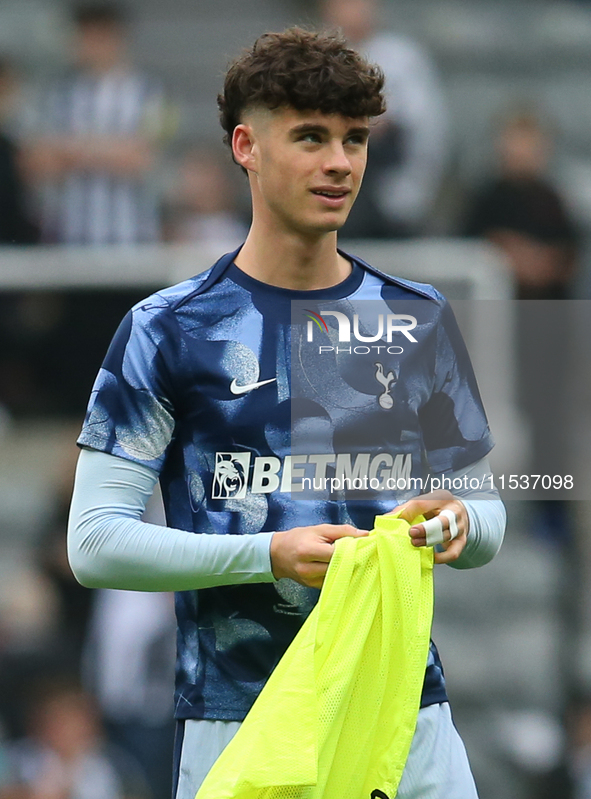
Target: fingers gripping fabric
<point x="338" y="714"/>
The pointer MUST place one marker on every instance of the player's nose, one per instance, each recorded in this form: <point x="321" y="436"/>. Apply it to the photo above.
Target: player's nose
<point x="337" y="160"/>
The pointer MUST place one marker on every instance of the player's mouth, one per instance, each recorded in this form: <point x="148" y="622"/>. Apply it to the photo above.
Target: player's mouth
<point x="332" y="196"/>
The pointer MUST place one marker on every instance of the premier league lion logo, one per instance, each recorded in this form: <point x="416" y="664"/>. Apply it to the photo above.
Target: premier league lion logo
<point x="231" y="471"/>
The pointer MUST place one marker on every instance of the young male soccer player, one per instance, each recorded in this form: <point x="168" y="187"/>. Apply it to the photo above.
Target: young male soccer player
<point x="195" y="391"/>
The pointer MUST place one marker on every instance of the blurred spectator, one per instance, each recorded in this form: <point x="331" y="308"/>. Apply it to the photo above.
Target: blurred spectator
<point x="73" y="602"/>
<point x="522" y="212"/>
<point x="408" y="146"/>
<point x="16" y="226"/>
<point x="202" y="205"/>
<point x="32" y="641"/>
<point x="4" y="768"/>
<point x="94" y="142"/>
<point x="571" y="779"/>
<point x="92" y="146"/>
<point x="579" y="756"/>
<point x="129" y="666"/>
<point x="65" y="755"/>
<point x="52" y="343"/>
<point x="130" y="669"/>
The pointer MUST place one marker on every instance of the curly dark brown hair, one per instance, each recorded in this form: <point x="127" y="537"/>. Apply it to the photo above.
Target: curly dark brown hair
<point x="301" y="69"/>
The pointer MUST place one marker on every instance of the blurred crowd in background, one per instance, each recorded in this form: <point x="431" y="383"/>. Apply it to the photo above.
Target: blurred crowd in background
<point x="98" y="150"/>
<point x="108" y="137"/>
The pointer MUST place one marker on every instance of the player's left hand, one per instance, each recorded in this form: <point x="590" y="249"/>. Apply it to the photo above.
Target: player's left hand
<point x="429" y="506"/>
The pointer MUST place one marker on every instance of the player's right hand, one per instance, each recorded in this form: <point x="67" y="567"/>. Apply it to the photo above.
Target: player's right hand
<point x="303" y="553"/>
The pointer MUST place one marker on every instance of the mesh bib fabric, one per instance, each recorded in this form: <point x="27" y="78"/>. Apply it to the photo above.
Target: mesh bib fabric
<point x="337" y="716"/>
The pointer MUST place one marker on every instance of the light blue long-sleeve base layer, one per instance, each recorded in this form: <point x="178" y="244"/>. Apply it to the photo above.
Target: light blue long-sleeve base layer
<point x="110" y="547"/>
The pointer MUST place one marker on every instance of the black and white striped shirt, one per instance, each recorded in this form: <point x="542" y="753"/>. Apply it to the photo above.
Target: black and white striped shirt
<point x="95" y="206"/>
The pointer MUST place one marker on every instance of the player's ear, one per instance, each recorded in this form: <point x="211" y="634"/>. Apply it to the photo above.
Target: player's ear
<point x="243" y="146"/>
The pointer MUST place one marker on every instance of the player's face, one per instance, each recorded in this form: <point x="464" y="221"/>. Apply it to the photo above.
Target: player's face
<point x="307" y="167"/>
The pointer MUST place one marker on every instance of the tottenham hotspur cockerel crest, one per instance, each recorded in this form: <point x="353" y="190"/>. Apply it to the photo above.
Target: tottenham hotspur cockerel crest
<point x="385" y="399"/>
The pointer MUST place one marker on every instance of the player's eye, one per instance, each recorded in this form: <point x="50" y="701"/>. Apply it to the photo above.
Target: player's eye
<point x="357" y="139"/>
<point x="310" y="136"/>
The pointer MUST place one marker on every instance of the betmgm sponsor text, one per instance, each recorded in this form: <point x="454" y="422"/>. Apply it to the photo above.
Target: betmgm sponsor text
<point x="238" y="472"/>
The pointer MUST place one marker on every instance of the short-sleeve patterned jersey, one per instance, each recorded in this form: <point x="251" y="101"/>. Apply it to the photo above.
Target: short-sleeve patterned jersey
<point x="210" y="383"/>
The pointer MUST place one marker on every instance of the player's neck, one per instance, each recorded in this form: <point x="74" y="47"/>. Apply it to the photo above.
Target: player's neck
<point x="292" y="261"/>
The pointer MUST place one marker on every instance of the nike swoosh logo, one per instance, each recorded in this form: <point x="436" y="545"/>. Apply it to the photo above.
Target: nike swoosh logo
<point x="236" y="389"/>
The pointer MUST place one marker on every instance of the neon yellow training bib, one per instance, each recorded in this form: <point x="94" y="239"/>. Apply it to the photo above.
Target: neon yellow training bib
<point x="337" y="716"/>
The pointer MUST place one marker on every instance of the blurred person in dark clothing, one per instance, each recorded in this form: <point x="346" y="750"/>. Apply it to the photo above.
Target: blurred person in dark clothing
<point x="65" y="756"/>
<point x="92" y="145"/>
<point x="74" y="603"/>
<point x="571" y="779"/>
<point x="201" y="206"/>
<point x="579" y="753"/>
<point x="16" y="226"/>
<point x="94" y="142"/>
<point x="129" y="667"/>
<point x="409" y="144"/>
<point x="522" y="212"/>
